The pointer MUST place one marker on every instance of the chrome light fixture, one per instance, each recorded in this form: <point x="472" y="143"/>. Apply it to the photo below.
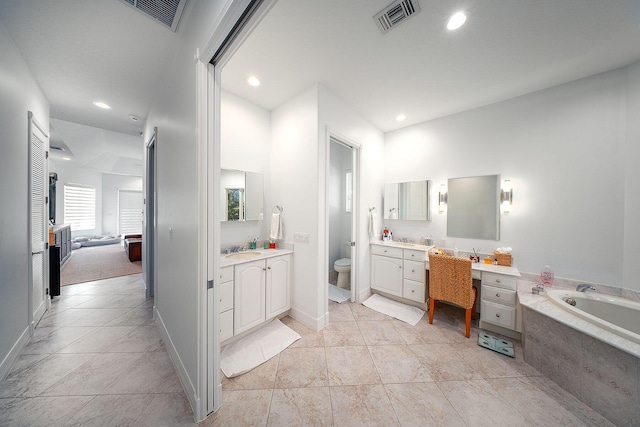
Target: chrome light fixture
<point x="506" y="196"/>
<point x="442" y="198"/>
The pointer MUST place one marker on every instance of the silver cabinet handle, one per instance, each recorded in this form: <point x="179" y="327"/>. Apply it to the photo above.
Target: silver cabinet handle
<point x="498" y="295"/>
<point x="497" y="280"/>
<point x="497" y="315"/>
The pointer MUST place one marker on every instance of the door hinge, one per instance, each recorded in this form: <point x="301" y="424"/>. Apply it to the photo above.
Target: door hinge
<point x="46" y="154"/>
<point x="210" y="284"/>
<point x="46" y="200"/>
<point x="353" y="243"/>
<point x="46" y="245"/>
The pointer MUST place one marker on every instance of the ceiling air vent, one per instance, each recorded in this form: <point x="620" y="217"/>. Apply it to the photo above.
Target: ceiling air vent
<point x="396" y="13"/>
<point x="167" y="12"/>
<point x="56" y="148"/>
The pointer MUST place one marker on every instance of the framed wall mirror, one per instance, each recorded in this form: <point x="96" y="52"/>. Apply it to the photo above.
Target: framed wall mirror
<point x="473" y="207"/>
<point x="242" y="194"/>
<point x="407" y="200"/>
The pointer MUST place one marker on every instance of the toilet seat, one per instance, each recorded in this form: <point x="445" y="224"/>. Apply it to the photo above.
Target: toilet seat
<point x="343" y="262"/>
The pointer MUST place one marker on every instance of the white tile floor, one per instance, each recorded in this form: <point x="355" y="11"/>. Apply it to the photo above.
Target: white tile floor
<point x="97" y="359"/>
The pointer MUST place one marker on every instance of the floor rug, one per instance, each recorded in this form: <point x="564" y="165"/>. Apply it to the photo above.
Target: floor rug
<point x="98" y="262"/>
<point x="256" y="348"/>
<point x="496" y="344"/>
<point x="407" y="313"/>
<point x="337" y="294"/>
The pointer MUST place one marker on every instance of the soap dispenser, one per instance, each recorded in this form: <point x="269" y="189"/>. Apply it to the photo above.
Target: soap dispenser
<point x="546" y="276"/>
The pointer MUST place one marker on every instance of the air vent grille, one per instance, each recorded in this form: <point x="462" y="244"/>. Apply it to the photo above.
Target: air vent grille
<point x="56" y="148"/>
<point x="167" y="12"/>
<point x="396" y="13"/>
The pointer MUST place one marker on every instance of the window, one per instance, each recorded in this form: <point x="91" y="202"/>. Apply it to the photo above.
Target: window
<point x="80" y="207"/>
<point x="348" y="191"/>
<point x="129" y="212"/>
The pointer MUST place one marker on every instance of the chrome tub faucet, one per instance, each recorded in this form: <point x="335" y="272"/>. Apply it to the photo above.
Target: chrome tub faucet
<point x="585" y="287"/>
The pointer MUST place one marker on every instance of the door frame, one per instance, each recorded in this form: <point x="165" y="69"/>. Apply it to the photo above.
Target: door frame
<point x="150" y="216"/>
<point x="355" y="212"/>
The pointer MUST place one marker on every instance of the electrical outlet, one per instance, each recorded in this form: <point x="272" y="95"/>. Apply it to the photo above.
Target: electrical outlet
<point x="301" y="237"/>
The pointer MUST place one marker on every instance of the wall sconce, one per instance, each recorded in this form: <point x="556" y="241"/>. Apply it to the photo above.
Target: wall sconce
<point x="506" y="196"/>
<point x="442" y="198"/>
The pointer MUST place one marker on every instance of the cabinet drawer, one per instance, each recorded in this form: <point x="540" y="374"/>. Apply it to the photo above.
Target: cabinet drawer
<point x="226" y="325"/>
<point x="415" y="255"/>
<point x="226" y="296"/>
<point x="499" y="295"/>
<point x="414" y="270"/>
<point x="386" y="250"/>
<point x="499" y="314"/>
<point x="413" y="290"/>
<point x="226" y="274"/>
<point x="499" y="280"/>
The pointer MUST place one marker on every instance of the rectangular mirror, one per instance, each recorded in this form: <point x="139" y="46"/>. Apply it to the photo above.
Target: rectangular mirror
<point x="407" y="200"/>
<point x="242" y="194"/>
<point x="473" y="207"/>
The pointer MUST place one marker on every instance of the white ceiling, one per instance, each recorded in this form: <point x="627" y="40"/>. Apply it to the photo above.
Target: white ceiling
<point x="507" y="48"/>
<point x="92" y="50"/>
<point x="83" y="51"/>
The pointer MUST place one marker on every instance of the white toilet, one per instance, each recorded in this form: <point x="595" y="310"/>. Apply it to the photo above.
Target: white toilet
<point x="343" y="268"/>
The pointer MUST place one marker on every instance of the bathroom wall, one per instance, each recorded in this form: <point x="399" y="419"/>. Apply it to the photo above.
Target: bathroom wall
<point x="245" y="132"/>
<point x="631" y="266"/>
<point x="339" y="219"/>
<point x="564" y="151"/>
<point x="294" y="186"/>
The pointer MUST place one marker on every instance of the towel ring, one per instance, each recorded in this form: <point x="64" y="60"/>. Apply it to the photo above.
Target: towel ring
<point x="278" y="207"/>
<point x="373" y="209"/>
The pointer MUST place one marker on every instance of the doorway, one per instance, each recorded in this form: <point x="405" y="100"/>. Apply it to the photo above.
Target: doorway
<point x="148" y="267"/>
<point x="340" y="214"/>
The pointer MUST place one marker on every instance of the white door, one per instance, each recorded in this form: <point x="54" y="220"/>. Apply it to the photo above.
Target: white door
<point x="278" y="287"/>
<point x="38" y="180"/>
<point x="248" y="295"/>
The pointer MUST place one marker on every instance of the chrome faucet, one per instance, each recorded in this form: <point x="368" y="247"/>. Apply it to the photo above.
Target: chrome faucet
<point x="585" y="287"/>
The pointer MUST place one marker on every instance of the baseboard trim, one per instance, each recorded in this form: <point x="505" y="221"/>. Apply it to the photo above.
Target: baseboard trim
<point x="13" y="354"/>
<point x="314" y="323"/>
<point x="363" y="295"/>
<point x="187" y="384"/>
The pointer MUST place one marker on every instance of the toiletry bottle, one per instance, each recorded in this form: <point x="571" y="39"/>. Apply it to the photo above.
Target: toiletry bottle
<point x="546" y="276"/>
<point x="455" y="251"/>
<point x="391" y="234"/>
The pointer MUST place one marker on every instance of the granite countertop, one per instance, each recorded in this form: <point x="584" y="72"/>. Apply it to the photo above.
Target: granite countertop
<point x="402" y="245"/>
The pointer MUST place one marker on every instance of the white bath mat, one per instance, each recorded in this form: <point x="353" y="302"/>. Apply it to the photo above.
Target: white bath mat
<point x="256" y="348"/>
<point x="400" y="311"/>
<point x="338" y="294"/>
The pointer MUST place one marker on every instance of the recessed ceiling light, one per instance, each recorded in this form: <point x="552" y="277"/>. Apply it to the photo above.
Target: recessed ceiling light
<point x="134" y="117"/>
<point x="456" y="21"/>
<point x="400" y="117"/>
<point x="66" y="158"/>
<point x="253" y="81"/>
<point x="101" y="104"/>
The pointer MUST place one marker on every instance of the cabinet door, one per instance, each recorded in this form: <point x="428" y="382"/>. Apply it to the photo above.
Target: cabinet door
<point x="386" y="274"/>
<point x="226" y="325"/>
<point x="248" y="295"/>
<point x="278" y="286"/>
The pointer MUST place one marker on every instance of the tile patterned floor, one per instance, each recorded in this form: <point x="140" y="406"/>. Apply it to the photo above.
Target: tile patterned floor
<point x="97" y="359"/>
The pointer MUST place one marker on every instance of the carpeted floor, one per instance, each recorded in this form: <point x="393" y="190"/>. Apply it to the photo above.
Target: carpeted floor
<point x="95" y="263"/>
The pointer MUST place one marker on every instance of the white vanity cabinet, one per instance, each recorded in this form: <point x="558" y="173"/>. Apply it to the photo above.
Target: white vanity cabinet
<point x="399" y="272"/>
<point x="261" y="291"/>
<point x="499" y="301"/>
<point x="386" y="269"/>
<point x="226" y="303"/>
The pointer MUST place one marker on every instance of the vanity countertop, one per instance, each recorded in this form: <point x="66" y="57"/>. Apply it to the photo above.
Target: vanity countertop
<point x="402" y="245"/>
<point x="246" y="256"/>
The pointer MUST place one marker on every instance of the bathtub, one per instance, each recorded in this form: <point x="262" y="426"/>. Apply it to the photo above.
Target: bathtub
<point x="617" y="315"/>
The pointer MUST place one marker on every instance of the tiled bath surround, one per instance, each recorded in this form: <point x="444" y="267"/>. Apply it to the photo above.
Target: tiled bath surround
<point x="601" y="375"/>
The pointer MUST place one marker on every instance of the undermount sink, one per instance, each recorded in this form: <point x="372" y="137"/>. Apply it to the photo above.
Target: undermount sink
<point x="404" y="244"/>
<point x="243" y="255"/>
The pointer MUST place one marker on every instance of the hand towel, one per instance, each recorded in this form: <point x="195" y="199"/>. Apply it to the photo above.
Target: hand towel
<point x="276" y="227"/>
<point x="373" y="224"/>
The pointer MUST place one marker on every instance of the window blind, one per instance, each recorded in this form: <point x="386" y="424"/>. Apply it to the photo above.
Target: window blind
<point x="80" y="207"/>
<point x="129" y="212"/>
